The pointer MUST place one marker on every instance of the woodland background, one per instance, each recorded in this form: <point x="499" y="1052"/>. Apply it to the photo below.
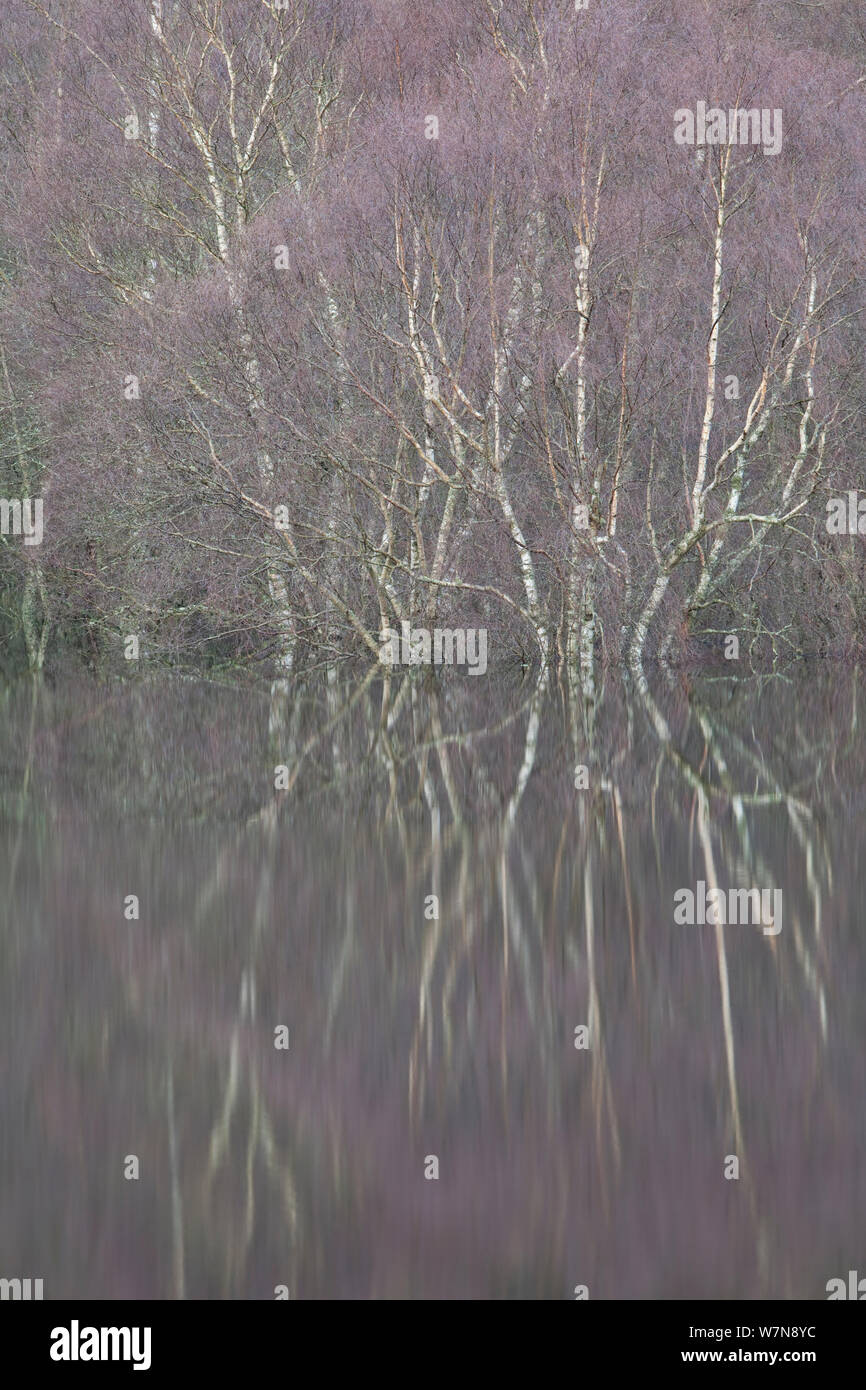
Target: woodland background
<point x="486" y="377"/>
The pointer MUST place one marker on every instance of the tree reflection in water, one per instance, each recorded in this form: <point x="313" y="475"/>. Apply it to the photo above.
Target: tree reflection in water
<point x="417" y="1030"/>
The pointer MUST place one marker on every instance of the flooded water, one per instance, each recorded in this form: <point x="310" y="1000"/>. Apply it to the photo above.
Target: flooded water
<point x="242" y="1029"/>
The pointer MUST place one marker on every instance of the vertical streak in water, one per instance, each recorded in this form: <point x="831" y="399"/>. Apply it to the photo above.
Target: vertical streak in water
<point x="178" y="1263"/>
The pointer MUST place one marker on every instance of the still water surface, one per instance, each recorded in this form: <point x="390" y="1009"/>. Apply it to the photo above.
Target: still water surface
<point x="412" y="1034"/>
